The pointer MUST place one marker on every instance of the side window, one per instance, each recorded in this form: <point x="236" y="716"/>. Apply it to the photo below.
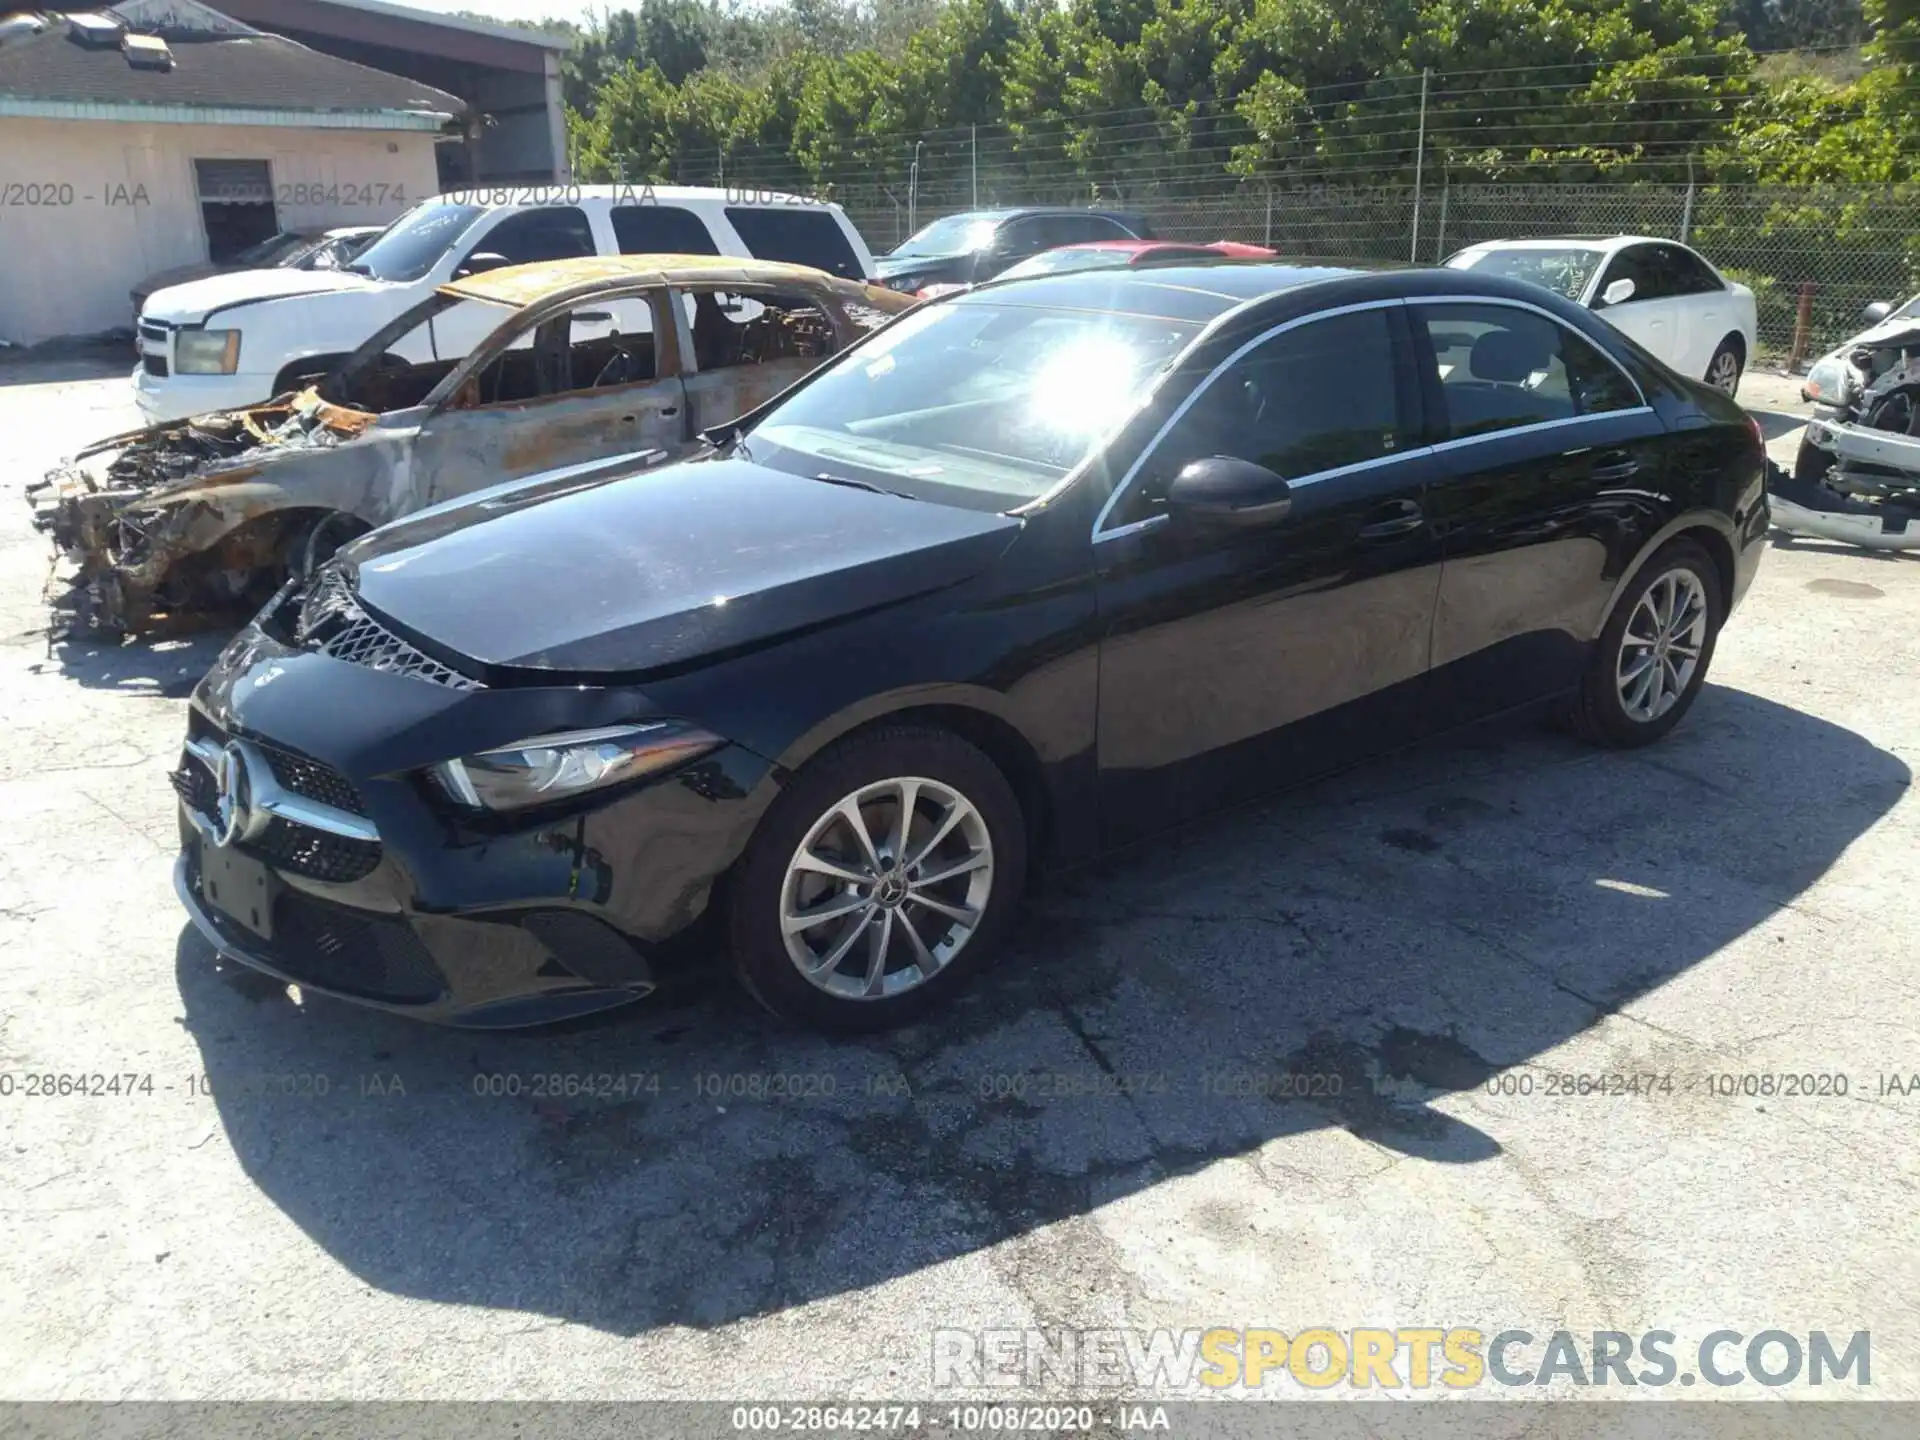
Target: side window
<point x="1077" y="229"/>
<point x="1501" y="367"/>
<point x="1312" y="398"/>
<point x="1640" y="264"/>
<point x="582" y="348"/>
<point x="1691" y="275"/>
<point x="798" y="234"/>
<point x="661" y="230"/>
<point x="730" y="328"/>
<point x="553" y="232"/>
<point x="1018" y="239"/>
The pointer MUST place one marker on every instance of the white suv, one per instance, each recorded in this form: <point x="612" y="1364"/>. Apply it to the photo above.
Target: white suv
<point x="236" y="339"/>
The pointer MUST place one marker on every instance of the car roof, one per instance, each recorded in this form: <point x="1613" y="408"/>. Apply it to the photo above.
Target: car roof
<point x="519" y="285"/>
<point x="1015" y="212"/>
<point x="529" y="196"/>
<point x="1196" y="292"/>
<point x="1598" y="242"/>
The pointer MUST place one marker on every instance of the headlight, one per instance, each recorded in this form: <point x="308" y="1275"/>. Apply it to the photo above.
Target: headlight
<point x="1827" y="381"/>
<point x="556" y="767"/>
<point x="206" y="352"/>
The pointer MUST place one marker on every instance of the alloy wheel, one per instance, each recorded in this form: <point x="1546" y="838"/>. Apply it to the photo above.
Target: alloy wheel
<point x="1660" y="648"/>
<point x="887" y="887"/>
<point x="1725" y="374"/>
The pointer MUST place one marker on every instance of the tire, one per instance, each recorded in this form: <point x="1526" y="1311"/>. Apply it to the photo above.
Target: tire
<point x="1611" y="711"/>
<point x="866" y="775"/>
<point x="1726" y="366"/>
<point x="313" y="545"/>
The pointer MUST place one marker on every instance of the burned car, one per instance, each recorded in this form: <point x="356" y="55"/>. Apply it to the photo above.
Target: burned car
<point x="599" y="362"/>
<point x="1856" y="478"/>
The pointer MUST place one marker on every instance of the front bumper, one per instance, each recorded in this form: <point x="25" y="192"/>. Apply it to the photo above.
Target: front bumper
<point x="421" y="910"/>
<point x="178" y="397"/>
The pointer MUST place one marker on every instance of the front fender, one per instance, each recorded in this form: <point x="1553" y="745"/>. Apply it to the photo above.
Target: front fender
<point x="898" y="702"/>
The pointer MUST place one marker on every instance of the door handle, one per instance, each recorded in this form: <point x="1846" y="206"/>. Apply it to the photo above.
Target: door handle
<point x="667" y="412"/>
<point x="1614" y="465"/>
<point x="1400" y="518"/>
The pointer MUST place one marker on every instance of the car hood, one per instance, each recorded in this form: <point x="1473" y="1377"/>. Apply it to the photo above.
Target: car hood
<point x="192" y="303"/>
<point x="178" y="275"/>
<point x="651" y="570"/>
<point x="889" y="267"/>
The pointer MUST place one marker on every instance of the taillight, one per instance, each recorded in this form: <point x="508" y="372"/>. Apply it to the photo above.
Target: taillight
<point x="1759" y="435"/>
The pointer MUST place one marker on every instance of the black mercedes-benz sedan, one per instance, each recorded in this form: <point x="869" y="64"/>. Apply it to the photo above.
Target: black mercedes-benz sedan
<point x="1027" y="574"/>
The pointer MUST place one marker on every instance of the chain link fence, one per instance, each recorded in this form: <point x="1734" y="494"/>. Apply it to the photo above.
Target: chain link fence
<point x="1814" y="256"/>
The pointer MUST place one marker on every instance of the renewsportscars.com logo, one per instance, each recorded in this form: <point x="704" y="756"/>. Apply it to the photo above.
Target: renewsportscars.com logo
<point x="1415" y="1358"/>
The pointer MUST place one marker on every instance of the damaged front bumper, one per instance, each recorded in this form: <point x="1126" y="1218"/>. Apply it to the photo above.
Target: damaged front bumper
<point x="156" y="523"/>
<point x="1853" y="484"/>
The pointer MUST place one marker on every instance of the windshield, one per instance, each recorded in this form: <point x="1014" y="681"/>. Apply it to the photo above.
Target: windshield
<point x="1068" y="257"/>
<point x="413" y="244"/>
<point x="973" y="403"/>
<point x="274" y="250"/>
<point x="1565" y="271"/>
<point x="955" y="235"/>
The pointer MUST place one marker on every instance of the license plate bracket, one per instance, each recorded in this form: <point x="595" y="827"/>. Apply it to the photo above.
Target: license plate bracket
<point x="239" y="887"/>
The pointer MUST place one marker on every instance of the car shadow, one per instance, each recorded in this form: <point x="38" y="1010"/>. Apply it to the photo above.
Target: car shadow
<point x="1775" y="423"/>
<point x="166" y="665"/>
<point x="1344" y="956"/>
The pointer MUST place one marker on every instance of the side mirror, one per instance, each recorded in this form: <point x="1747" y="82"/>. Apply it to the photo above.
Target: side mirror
<point x="1618" y="293"/>
<point x="479" y="263"/>
<point x="1875" y="313"/>
<point x="1221" y="490"/>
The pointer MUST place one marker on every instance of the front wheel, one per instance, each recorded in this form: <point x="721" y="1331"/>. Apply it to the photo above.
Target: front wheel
<point x="1652" y="657"/>
<point x="879" y="881"/>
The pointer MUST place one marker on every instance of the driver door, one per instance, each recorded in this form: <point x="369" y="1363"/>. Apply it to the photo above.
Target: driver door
<point x="560" y="391"/>
<point x="1652" y="315"/>
<point x="1237" y="661"/>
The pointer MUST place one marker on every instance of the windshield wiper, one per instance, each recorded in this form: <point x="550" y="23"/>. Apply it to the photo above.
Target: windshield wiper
<point x="853" y="484"/>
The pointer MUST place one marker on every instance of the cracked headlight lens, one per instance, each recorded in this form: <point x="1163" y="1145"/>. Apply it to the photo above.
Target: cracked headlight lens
<point x="206" y="352"/>
<point x="555" y="767"/>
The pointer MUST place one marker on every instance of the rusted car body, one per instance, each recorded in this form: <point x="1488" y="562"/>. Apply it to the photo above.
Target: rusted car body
<point x="598" y="361"/>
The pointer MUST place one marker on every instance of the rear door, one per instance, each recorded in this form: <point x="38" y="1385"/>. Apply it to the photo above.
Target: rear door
<point x="1237" y="661"/>
<point x="1705" y="309"/>
<point x="745" y="344"/>
<point x="1551" y="461"/>
<point x="1653" y="314"/>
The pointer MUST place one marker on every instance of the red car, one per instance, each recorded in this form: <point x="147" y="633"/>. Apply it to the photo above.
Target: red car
<point x="1115" y="254"/>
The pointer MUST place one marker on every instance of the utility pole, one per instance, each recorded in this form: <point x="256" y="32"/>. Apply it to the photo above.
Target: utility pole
<point x="1686" y="213"/>
<point x="1419" y="156"/>
<point x="913" y="190"/>
<point x="973" y="132"/>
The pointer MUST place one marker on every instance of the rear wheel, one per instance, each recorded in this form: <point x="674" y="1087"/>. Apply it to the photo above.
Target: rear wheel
<point x="1652" y="657"/>
<point x="879" y="881"/>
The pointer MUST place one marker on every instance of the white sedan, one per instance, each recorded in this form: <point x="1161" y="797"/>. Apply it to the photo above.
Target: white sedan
<point x="1659" y="292"/>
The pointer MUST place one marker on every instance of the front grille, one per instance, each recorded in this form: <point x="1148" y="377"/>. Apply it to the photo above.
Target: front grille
<point x="333" y="623"/>
<point x="285" y="845"/>
<point x="303" y="775"/>
<point x="155" y="365"/>
<point x="316" y="854"/>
